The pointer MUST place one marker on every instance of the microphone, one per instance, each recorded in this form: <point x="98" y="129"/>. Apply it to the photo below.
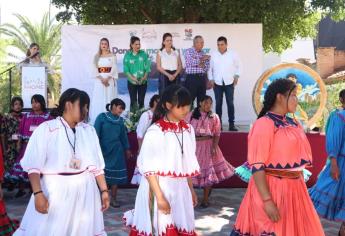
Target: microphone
<point x="35" y="54"/>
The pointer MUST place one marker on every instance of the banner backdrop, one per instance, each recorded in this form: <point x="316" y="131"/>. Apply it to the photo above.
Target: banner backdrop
<point x="81" y="43"/>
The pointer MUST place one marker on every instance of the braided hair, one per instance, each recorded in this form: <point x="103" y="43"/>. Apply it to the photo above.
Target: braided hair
<point x="177" y="95"/>
<point x="278" y="86"/>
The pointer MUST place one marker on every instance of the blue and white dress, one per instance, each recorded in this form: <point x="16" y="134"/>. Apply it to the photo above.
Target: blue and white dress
<point x="328" y="195"/>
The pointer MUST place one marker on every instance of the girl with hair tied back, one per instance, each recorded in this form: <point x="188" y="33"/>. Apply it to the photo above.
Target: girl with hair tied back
<point x="112" y="134"/>
<point x="277" y="200"/>
<point x="65" y="166"/>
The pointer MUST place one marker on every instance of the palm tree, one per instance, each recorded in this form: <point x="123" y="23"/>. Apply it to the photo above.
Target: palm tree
<point x="47" y="34"/>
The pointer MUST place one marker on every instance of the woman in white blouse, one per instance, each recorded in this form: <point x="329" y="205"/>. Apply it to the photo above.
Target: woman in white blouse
<point x="169" y="63"/>
<point x="65" y="166"/>
<point x="105" y="72"/>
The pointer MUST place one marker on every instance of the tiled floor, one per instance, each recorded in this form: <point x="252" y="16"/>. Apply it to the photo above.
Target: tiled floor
<point x="216" y="220"/>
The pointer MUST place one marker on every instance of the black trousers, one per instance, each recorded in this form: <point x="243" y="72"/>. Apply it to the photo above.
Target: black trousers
<point x="164" y="81"/>
<point x="196" y="85"/>
<point x="137" y="95"/>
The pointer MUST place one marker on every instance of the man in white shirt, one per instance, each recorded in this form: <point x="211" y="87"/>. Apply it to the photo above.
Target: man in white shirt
<point x="224" y="74"/>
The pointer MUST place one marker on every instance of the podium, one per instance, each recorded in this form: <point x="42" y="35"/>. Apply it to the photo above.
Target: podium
<point x="34" y="81"/>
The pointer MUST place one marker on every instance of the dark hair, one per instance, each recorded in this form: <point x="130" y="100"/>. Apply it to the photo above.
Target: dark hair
<point x="40" y="99"/>
<point x="28" y="53"/>
<point x="196" y="112"/>
<point x="164" y="38"/>
<point x="13" y="101"/>
<point x="133" y="40"/>
<point x="72" y="95"/>
<point x="115" y="102"/>
<point x="342" y="95"/>
<point x="278" y="86"/>
<point x="84" y="100"/>
<point x="222" y="38"/>
<point x="154" y="98"/>
<point x="291" y="75"/>
<point x="177" y="95"/>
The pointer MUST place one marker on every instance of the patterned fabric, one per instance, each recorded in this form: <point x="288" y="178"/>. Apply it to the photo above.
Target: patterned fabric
<point x="136" y="65"/>
<point x="28" y="124"/>
<point x="192" y="58"/>
<point x="7" y="226"/>
<point x="9" y="128"/>
<point x="328" y="195"/>
<point x="213" y="168"/>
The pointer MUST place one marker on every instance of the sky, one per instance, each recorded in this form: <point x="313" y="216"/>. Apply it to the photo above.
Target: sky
<point x="33" y="9"/>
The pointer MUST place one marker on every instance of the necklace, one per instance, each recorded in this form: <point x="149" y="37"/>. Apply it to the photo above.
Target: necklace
<point x="179" y="142"/>
<point x="69" y="141"/>
<point x="110" y="118"/>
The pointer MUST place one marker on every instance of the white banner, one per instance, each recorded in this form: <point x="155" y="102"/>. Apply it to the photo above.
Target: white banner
<point x="34" y="81"/>
<point x="81" y="43"/>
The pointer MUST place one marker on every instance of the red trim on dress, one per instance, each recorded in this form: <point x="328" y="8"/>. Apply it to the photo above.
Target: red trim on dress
<point x="170" y="230"/>
<point x="167" y="126"/>
<point x="171" y="174"/>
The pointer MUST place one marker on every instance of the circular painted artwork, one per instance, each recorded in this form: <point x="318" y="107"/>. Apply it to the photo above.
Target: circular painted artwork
<point x="311" y="90"/>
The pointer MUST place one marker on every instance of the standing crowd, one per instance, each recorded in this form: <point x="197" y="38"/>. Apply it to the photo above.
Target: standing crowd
<point x="74" y="156"/>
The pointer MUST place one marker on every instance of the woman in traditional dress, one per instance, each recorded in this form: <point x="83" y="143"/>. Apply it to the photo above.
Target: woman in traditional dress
<point x="112" y="134"/>
<point x="277" y="200"/>
<point x="105" y="79"/>
<point x="65" y="166"/>
<point x="168" y="162"/>
<point x="213" y="166"/>
<point x="28" y="124"/>
<point x="328" y="193"/>
<point x="10" y="136"/>
<point x="144" y="123"/>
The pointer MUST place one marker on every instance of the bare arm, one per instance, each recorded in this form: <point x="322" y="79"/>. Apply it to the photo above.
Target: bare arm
<point x="179" y="66"/>
<point x="162" y="203"/>
<point x="102" y="185"/>
<point x="41" y="202"/>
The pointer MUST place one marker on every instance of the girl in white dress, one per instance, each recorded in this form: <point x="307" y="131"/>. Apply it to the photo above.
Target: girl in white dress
<point x="144" y="123"/>
<point x="65" y="166"/>
<point x="105" y="83"/>
<point x="167" y="160"/>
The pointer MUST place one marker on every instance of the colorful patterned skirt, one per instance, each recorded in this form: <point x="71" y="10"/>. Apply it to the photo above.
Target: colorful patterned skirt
<point x="17" y="174"/>
<point x="7" y="226"/>
<point x="213" y="169"/>
<point x="328" y="195"/>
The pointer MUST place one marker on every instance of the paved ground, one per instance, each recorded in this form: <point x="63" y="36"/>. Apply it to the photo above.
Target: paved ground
<point x="216" y="220"/>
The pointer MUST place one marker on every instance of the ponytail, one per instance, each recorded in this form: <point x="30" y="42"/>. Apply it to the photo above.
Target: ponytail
<point x="107" y="107"/>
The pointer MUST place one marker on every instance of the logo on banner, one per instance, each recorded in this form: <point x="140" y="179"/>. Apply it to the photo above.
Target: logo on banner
<point x="188" y="33"/>
<point x="175" y="35"/>
<point x="133" y="33"/>
<point x="149" y="34"/>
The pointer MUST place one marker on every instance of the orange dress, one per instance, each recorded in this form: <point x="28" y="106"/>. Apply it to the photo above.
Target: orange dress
<point x="278" y="143"/>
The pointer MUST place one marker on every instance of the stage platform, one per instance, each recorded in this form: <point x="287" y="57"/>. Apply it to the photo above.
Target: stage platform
<point x="234" y="148"/>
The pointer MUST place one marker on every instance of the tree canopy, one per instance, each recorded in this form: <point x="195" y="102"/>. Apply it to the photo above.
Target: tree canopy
<point x="283" y="20"/>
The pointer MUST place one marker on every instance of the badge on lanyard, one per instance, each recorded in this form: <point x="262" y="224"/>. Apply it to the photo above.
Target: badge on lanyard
<point x="75" y="163"/>
<point x="202" y="131"/>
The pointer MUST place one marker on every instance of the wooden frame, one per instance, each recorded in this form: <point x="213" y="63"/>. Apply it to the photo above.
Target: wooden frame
<point x="313" y="74"/>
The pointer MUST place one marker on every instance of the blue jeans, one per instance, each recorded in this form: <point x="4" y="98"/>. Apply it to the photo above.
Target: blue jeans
<point x="219" y="91"/>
